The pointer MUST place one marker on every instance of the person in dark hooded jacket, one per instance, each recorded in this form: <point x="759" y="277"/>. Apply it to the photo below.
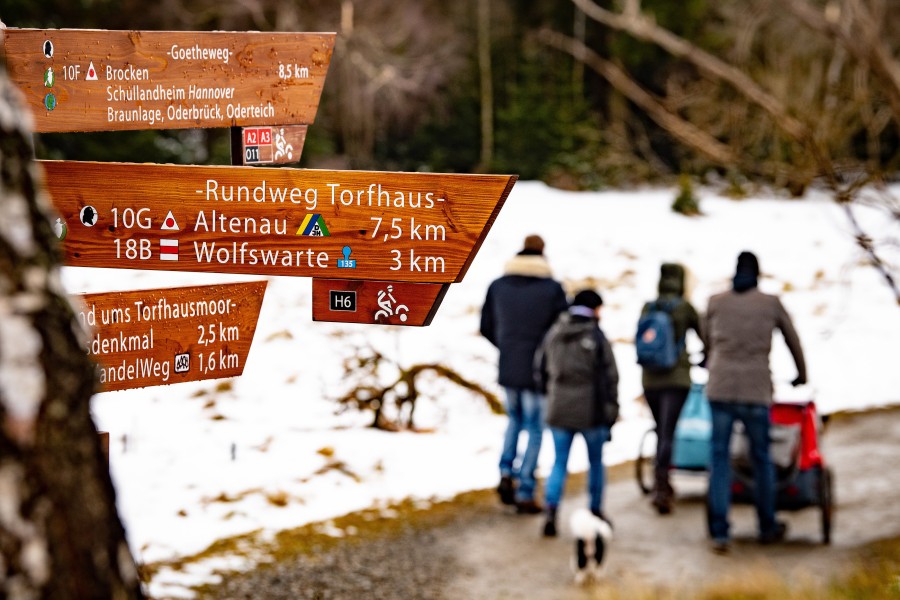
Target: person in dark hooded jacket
<point x="666" y="390"/>
<point x="577" y="365"/>
<point x="519" y="309"/>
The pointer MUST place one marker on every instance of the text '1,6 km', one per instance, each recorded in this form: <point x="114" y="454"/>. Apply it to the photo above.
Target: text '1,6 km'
<point x="157" y="337"/>
<point x="97" y="80"/>
<point x="415" y="227"/>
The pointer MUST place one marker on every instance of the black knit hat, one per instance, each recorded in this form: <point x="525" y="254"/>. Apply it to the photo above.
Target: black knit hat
<point x="746" y="274"/>
<point x="747" y="263"/>
<point x="588" y="298"/>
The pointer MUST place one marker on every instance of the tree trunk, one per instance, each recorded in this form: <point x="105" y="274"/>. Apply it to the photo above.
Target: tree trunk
<point x="60" y="535"/>
<point x="579" y="33"/>
<point x="487" y="88"/>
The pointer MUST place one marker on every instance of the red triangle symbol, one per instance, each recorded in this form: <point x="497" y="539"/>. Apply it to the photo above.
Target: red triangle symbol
<point x="91" y="73"/>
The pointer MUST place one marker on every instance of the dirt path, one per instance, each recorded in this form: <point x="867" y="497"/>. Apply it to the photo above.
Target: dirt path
<point x="505" y="557"/>
<point x="486" y="552"/>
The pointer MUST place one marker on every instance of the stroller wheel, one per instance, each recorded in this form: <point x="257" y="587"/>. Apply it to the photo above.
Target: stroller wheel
<point x="826" y="499"/>
<point x="645" y="462"/>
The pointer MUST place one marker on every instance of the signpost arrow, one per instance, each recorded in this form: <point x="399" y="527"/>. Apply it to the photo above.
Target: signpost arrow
<point x="100" y="80"/>
<point x="158" y="337"/>
<point x="376" y="302"/>
<point x="383" y="226"/>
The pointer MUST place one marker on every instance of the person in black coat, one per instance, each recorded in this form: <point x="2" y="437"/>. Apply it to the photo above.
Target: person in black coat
<point x="519" y="309"/>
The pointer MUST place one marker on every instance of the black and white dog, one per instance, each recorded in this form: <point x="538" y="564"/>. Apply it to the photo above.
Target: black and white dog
<point x="592" y="536"/>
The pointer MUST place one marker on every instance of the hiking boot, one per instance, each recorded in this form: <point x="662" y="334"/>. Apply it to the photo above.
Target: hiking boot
<point x="720" y="546"/>
<point x="599" y="514"/>
<point x="507" y="490"/>
<point x="663" y="503"/>
<point x="550" y="523"/>
<point x="776" y="535"/>
<point x="528" y="507"/>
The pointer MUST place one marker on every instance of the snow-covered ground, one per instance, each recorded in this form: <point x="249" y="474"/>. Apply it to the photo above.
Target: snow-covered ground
<point x="266" y="443"/>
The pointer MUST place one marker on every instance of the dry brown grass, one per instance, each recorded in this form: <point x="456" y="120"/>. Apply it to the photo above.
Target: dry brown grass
<point x="874" y="575"/>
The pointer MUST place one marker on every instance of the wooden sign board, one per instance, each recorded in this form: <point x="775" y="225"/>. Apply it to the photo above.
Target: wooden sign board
<point x="269" y="145"/>
<point x="415" y="227"/>
<point x="163" y="336"/>
<point x="99" y="80"/>
<point x="376" y="302"/>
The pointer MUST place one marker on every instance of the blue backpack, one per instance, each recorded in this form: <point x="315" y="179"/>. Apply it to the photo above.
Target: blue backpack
<point x="657" y="348"/>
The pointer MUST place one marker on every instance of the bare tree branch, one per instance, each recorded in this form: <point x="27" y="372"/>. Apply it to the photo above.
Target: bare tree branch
<point x="864" y="43"/>
<point x="369" y="393"/>
<point x="867" y="245"/>
<point x="643" y="28"/>
<point x="684" y="131"/>
<point x="857" y="30"/>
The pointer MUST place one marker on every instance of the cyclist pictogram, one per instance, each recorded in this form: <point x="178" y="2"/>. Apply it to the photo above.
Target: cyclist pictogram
<point x="389" y="306"/>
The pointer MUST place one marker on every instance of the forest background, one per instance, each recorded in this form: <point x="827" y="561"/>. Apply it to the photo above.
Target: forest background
<point x="580" y="95"/>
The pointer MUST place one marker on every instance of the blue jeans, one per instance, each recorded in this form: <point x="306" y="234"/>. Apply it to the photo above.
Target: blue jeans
<point x="756" y="420"/>
<point x="525" y="409"/>
<point x="562" y="443"/>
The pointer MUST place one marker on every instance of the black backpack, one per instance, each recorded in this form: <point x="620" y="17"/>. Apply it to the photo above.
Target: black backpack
<point x="572" y="359"/>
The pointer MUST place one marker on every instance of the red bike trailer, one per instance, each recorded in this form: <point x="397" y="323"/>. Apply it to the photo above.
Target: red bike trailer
<point x="802" y="479"/>
<point x="805" y="480"/>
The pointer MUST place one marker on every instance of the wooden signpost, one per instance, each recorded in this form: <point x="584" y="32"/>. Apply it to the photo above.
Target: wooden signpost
<point x="413" y="227"/>
<point x="101" y="80"/>
<point x="376" y="302"/>
<point x="163" y="336"/>
<point x="391" y="241"/>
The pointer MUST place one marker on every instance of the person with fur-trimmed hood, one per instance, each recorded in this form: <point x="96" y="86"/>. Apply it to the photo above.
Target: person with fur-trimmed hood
<point x="666" y="390"/>
<point x="519" y="309"/>
<point x="577" y="365"/>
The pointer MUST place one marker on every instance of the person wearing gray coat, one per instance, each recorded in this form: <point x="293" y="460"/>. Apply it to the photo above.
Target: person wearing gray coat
<point x="737" y="331"/>
<point x="578" y="368"/>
